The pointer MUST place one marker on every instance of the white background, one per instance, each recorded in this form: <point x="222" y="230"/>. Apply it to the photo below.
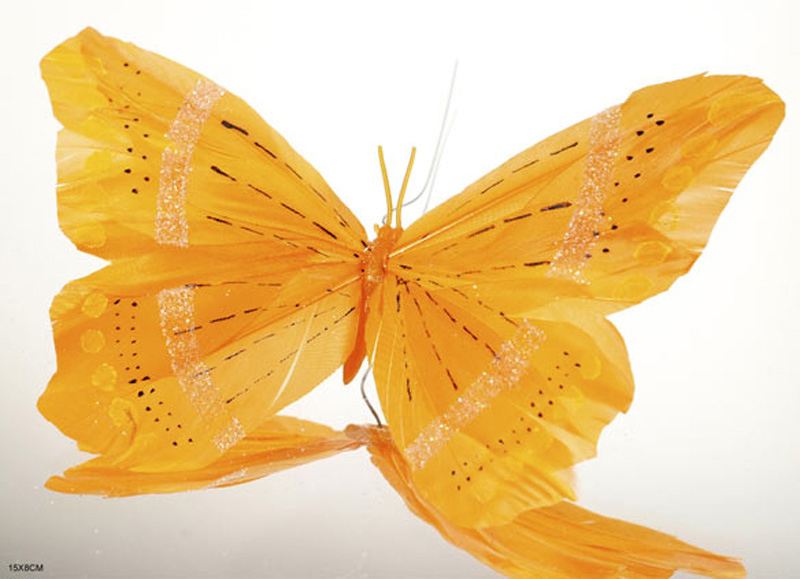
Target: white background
<point x="709" y="449"/>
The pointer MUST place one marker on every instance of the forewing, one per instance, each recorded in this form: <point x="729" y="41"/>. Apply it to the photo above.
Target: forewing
<point x="154" y="154"/>
<point x="613" y="209"/>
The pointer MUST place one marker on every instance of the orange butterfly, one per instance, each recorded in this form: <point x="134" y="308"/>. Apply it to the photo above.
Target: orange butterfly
<point x="239" y="281"/>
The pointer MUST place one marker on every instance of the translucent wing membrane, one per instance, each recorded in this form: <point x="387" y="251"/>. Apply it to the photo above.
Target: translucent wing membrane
<point x="279" y="443"/>
<point x="493" y="363"/>
<point x="561" y="541"/>
<point x="153" y="153"/>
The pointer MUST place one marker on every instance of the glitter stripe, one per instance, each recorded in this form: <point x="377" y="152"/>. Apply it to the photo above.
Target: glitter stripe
<point x="172" y="225"/>
<point x="579" y="239"/>
<point x="505" y="372"/>
<point x="176" y="311"/>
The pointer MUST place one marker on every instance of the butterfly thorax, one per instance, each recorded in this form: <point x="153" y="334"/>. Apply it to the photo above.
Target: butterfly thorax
<point x="376" y="256"/>
<point x="374" y="264"/>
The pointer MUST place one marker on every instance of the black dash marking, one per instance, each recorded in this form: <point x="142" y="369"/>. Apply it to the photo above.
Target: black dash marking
<point x="506" y="318"/>
<point x="495" y="184"/>
<point x="445" y="248"/>
<point x="218" y="220"/>
<point x="491" y="350"/>
<point x="203" y="373"/>
<point x="347" y="313"/>
<point x="288" y="166"/>
<point x="501" y="267"/>
<point x="186" y="331"/>
<point x="315" y="250"/>
<point x="325" y="230"/>
<point x="562" y="205"/>
<point x="536" y="263"/>
<point x="526" y="165"/>
<point x="293" y="210"/>
<point x="263" y="148"/>
<point x="397" y="298"/>
<point x="467" y="330"/>
<point x="659" y="123"/>
<point x="235" y="396"/>
<point x="517" y="217"/>
<point x="452" y="380"/>
<point x="639" y="133"/>
<point x="287" y="356"/>
<point x="315" y="336"/>
<point x="261" y="339"/>
<point x="575" y="144"/>
<point x="416" y="303"/>
<point x="649" y="150"/>
<point x="449" y="315"/>
<point x="242" y="351"/>
<point x="215" y="320"/>
<point x="251" y="310"/>
<point x="228" y="125"/>
<point x="404" y="266"/>
<point x="264" y="193"/>
<point x="250" y="230"/>
<point x="320" y="195"/>
<point x="221" y="172"/>
<point x="408" y="388"/>
<point x="484" y="230"/>
<point x="364" y="244"/>
<point x="430" y="297"/>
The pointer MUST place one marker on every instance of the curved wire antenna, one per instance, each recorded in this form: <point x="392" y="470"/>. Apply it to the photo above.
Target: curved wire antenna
<point x="364" y="394"/>
<point x="444" y="130"/>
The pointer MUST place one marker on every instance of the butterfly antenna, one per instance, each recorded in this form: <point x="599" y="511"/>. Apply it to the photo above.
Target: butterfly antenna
<point x="437" y="152"/>
<point x="405" y="185"/>
<point x="364" y="394"/>
<point x="386" y="188"/>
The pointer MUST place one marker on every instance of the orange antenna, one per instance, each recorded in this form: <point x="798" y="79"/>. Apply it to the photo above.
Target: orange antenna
<point x="405" y="184"/>
<point x="385" y="184"/>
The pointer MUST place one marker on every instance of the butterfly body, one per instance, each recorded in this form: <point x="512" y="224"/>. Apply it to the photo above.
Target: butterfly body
<point x="374" y="267"/>
<point x="238" y="281"/>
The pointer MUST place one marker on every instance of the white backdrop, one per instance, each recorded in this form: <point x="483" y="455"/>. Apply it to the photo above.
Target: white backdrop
<point x="709" y="449"/>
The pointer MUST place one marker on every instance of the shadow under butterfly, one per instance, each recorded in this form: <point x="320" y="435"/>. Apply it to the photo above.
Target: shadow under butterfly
<point x="238" y="281"/>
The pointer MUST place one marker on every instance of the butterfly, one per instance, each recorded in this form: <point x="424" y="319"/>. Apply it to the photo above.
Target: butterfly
<point x="238" y="281"/>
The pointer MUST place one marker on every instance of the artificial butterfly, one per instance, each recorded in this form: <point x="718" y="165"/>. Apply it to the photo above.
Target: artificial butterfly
<point x="238" y="281"/>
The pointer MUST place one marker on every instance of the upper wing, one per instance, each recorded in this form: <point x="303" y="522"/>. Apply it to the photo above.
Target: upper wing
<point x="614" y="208"/>
<point x="494" y="365"/>
<point x="235" y="269"/>
<point x="154" y="154"/>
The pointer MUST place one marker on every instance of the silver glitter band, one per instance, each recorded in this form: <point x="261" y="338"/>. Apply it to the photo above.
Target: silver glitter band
<point x="504" y="373"/>
<point x="176" y="311"/>
<point x="580" y="237"/>
<point x="172" y="225"/>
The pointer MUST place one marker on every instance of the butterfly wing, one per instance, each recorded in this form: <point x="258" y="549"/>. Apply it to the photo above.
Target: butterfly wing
<point x="279" y="443"/>
<point x="153" y="154"/>
<point x="613" y="209"/>
<point x="234" y="271"/>
<point x="495" y="368"/>
<point x="556" y="542"/>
